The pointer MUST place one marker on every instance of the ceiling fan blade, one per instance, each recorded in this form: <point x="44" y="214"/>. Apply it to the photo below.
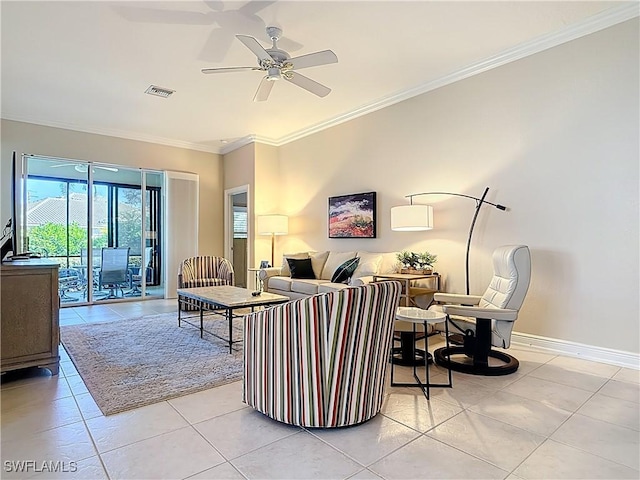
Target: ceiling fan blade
<point x="214" y="5"/>
<point x="251" y="8"/>
<point x="264" y="89"/>
<point x="313" y="59"/>
<point x="171" y="17"/>
<point x="83" y="167"/>
<point x="228" y="69"/>
<point x="253" y="45"/>
<point x="308" y="84"/>
<point x="216" y="46"/>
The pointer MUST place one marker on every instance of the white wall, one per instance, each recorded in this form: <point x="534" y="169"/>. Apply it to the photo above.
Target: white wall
<point x="239" y="170"/>
<point x="555" y="137"/>
<point x="56" y="142"/>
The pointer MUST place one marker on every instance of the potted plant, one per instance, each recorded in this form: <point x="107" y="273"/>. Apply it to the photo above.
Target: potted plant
<point x="407" y="261"/>
<point x="416" y="263"/>
<point x="426" y="261"/>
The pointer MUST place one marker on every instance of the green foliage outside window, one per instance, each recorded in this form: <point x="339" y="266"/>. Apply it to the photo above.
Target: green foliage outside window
<point x="52" y="239"/>
<point x="129" y="231"/>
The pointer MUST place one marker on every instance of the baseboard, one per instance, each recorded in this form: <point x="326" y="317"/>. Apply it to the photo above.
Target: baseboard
<point x="579" y="350"/>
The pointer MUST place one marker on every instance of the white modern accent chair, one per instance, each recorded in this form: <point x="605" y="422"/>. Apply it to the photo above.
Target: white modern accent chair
<point x="487" y="320"/>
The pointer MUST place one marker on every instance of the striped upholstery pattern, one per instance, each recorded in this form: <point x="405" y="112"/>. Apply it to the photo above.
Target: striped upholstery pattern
<point x="321" y="361"/>
<point x="203" y="271"/>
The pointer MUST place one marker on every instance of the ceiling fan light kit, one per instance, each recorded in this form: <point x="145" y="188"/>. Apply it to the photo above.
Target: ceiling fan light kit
<point x="278" y="64"/>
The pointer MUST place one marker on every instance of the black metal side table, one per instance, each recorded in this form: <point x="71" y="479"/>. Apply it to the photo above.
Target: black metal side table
<point x="418" y="316"/>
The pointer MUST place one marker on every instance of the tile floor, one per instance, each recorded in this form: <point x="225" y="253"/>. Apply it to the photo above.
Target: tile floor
<point x="556" y="417"/>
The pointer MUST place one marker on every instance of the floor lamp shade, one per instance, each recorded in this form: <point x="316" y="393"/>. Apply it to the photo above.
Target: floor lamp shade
<point x="411" y="218"/>
<point x="273" y="225"/>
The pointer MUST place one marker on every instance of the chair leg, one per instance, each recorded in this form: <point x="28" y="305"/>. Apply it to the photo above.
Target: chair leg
<point x="473" y="357"/>
<point x="135" y="292"/>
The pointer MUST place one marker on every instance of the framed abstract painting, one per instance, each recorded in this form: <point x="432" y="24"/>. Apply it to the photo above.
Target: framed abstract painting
<point x="353" y="216"/>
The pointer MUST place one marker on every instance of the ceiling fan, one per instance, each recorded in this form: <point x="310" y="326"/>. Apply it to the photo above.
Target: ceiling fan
<point x="83" y="168"/>
<point x="278" y="64"/>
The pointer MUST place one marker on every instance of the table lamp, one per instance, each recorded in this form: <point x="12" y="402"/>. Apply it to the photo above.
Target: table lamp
<point x="273" y="225"/>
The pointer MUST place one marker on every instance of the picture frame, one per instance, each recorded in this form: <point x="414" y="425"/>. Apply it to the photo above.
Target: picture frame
<point x="352" y="216"/>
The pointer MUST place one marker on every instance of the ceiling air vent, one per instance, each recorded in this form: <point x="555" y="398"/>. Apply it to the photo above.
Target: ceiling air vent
<point x="159" y="91"/>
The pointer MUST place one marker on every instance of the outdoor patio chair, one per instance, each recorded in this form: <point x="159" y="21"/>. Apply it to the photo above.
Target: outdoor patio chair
<point x="114" y="272"/>
<point x="136" y="273"/>
<point x="68" y="279"/>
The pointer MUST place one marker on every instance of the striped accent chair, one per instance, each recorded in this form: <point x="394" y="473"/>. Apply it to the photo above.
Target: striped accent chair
<point x="321" y="361"/>
<point x="203" y="271"/>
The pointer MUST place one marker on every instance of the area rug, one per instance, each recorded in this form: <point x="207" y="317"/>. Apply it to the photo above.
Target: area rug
<point x="129" y="363"/>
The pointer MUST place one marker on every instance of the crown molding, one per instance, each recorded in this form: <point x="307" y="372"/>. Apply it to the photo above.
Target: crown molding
<point x="236" y="144"/>
<point x="590" y="25"/>
<point x="170" y="142"/>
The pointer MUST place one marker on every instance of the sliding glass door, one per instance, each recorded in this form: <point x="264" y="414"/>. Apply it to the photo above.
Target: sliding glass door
<point x="95" y="220"/>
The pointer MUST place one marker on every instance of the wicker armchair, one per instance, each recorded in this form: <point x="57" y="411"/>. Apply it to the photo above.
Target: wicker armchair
<point x="203" y="271"/>
<point x="321" y="361"/>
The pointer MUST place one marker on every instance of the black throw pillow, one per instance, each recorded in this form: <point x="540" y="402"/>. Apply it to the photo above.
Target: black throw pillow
<point x="345" y="271"/>
<point x="301" y="268"/>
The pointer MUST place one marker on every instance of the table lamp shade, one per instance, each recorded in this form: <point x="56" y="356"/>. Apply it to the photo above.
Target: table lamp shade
<point x="273" y="225"/>
<point x="411" y="218"/>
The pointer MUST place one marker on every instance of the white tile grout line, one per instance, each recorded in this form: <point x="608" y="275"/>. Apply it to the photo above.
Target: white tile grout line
<point x="84" y="422"/>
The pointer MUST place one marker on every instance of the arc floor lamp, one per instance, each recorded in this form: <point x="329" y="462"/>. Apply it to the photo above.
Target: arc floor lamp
<point x="412" y="218"/>
<point x="273" y="225"/>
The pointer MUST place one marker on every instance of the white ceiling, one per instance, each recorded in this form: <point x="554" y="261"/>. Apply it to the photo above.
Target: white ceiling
<point x="85" y="65"/>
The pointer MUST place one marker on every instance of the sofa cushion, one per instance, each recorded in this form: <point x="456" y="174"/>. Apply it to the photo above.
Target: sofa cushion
<point x="318" y="260"/>
<point x="334" y="260"/>
<point x="285" y="272"/>
<point x="345" y="271"/>
<point x="280" y="283"/>
<point x="300" y="268"/>
<point x="308" y="287"/>
<point x="368" y="265"/>
<point x="331" y="287"/>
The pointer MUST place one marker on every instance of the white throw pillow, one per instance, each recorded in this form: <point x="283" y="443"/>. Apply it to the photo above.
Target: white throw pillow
<point x="284" y="271"/>
<point x="334" y="260"/>
<point x="318" y="259"/>
<point x="389" y="263"/>
<point x="369" y="263"/>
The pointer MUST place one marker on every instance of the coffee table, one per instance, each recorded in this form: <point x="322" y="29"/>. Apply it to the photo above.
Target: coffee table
<point x="419" y="316"/>
<point x="227" y="298"/>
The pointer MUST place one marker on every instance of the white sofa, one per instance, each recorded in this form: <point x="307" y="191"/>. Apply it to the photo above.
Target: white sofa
<point x="278" y="279"/>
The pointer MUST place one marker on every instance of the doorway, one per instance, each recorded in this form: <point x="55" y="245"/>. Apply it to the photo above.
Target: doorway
<point x="237" y="233"/>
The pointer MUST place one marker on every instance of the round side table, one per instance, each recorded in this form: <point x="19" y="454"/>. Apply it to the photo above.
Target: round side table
<point x="419" y="316"/>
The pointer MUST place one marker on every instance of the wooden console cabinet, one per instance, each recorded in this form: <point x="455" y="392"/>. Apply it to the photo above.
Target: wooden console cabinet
<point x="30" y="310"/>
